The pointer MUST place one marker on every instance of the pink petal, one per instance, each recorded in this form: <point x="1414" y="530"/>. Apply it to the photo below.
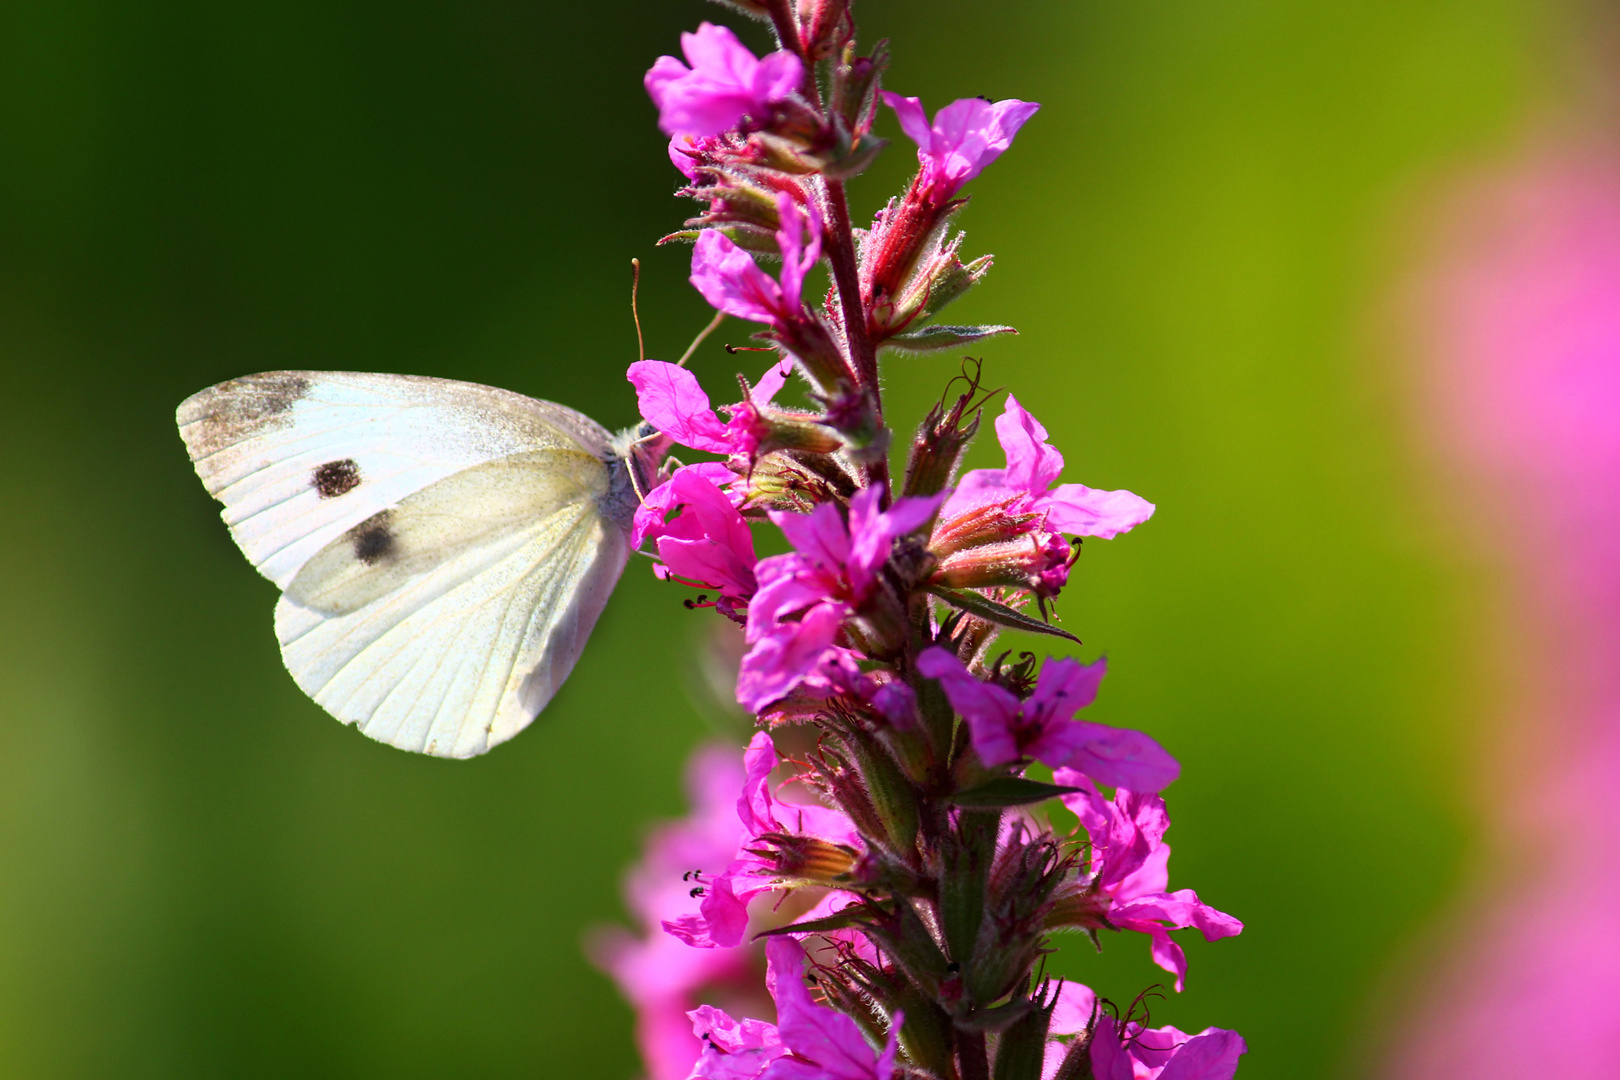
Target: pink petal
<point x="970" y="133"/>
<point x="679" y="145"/>
<point x="776" y="78"/>
<point x="913" y="119"/>
<point x="820" y="536"/>
<point x="1032" y="463"/>
<point x="770" y="384"/>
<point x="665" y="71"/>
<point x="989" y="710"/>
<point x="1072" y="1011"/>
<point x="1066" y="686"/>
<point x="1210" y="1055"/>
<point x="784" y="657"/>
<point x="1081" y="511"/>
<point x="731" y="281"/>
<point x="670" y="399"/>
<point x="787" y="586"/>
<point x="829" y="1040"/>
<point x="1109" y="1060"/>
<point x="1122" y="757"/>
<point x="715" y="51"/>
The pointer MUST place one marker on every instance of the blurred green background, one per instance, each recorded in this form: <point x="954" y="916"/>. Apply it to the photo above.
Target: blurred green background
<point x="201" y="875"/>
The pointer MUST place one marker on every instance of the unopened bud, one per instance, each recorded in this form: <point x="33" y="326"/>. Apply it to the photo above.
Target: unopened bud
<point x="806" y="858"/>
<point x="1038" y="561"/>
<point x="1078" y="906"/>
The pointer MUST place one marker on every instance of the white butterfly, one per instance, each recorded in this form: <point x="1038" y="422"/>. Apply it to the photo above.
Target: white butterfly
<point x="443" y="548"/>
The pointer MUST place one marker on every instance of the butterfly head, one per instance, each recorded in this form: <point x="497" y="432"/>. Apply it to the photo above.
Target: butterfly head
<point x="641" y="448"/>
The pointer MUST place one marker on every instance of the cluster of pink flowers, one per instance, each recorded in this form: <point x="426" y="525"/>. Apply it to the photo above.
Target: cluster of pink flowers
<point x="879" y="841"/>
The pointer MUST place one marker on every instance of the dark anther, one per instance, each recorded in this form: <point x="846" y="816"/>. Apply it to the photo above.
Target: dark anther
<point x="696" y="892"/>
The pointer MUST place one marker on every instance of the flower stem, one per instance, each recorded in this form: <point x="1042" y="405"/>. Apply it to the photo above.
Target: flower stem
<point x="847" y="278"/>
<point x="972" y="1057"/>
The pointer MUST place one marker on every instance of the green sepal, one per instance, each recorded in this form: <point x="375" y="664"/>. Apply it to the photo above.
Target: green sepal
<point x="1008" y="791"/>
<point x="983" y="607"/>
<point x="853" y="915"/>
<point x="932" y="339"/>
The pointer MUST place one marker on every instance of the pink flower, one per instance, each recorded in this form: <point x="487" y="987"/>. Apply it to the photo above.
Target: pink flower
<point x="808" y="1041"/>
<point x="1025" y="485"/>
<point x="1130" y="871"/>
<point x="768" y="827"/>
<point x="662" y="977"/>
<point x="707" y="544"/>
<point x="827" y="578"/>
<point x="966" y="135"/>
<point x="672" y="401"/>
<point x="1138" y="1053"/>
<point x="732" y="282"/>
<point x="725" y="83"/>
<point x="1005" y="730"/>
<point x="682" y="148"/>
<point x="732" y="1049"/>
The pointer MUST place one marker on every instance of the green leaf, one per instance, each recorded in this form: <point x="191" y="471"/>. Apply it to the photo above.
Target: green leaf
<point x="930" y="339"/>
<point x="987" y="609"/>
<point x="1008" y="791"/>
<point x="853" y="915"/>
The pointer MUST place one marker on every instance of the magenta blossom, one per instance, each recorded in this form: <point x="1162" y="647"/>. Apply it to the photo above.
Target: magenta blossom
<point x="1130" y="871"/>
<point x="808" y="1041"/>
<point x="682" y="151"/>
<point x="966" y="135"/>
<point x="672" y="401"/>
<point x="1005" y="730"/>
<point x="755" y="868"/>
<point x="828" y="577"/>
<point x="1033" y="466"/>
<point x="707" y="544"/>
<point x="725" y="83"/>
<point x="732" y="282"/>
<point x="1133" y="1052"/>
<point x="661" y="976"/>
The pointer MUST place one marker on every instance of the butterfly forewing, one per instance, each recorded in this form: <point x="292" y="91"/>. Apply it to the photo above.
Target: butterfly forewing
<point x="444" y="548"/>
<point x="300" y="457"/>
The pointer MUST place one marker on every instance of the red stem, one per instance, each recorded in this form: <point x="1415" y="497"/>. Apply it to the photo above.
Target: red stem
<point x="847" y="277"/>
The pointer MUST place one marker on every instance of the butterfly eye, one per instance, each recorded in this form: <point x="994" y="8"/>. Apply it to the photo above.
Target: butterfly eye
<point x="646" y="431"/>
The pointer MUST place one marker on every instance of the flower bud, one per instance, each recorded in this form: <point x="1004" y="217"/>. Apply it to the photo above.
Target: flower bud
<point x="806" y="859"/>
<point x="938" y="447"/>
<point x="1078" y="905"/>
<point x="779" y="429"/>
<point x="1038" y="561"/>
<point x="823" y="26"/>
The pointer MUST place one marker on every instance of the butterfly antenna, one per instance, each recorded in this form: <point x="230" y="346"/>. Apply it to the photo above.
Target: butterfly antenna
<point x="635" y="283"/>
<point x="705" y="332"/>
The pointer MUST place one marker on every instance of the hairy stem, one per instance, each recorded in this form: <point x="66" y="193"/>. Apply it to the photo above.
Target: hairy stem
<point x="847" y="278"/>
<point x="972" y="1057"/>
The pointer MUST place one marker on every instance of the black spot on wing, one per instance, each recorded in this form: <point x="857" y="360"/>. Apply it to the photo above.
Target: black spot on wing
<point x="335" y="478"/>
<point x="373" y="538"/>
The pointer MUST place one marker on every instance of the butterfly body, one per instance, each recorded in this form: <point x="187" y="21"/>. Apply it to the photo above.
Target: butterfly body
<point x="443" y="548"/>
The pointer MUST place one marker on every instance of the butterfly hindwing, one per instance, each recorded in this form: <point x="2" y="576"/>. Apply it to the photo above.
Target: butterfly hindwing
<point x="450" y="633"/>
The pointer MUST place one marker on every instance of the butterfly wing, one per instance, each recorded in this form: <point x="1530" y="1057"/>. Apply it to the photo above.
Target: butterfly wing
<point x="444" y="548"/>
<point x="300" y="457"/>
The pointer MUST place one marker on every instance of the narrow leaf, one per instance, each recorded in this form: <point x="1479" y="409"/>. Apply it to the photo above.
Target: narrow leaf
<point x="1008" y="791"/>
<point x="850" y="916"/>
<point x="930" y="339"/>
<point x="990" y="611"/>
